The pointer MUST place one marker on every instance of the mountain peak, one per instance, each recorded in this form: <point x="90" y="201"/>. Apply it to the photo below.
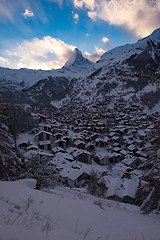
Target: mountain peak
<point x="77" y="60"/>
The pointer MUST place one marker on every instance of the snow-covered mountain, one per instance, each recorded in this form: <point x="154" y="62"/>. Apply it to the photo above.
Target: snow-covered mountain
<point x="122" y="53"/>
<point x="78" y="62"/>
<point x="76" y="66"/>
<point x="128" y="73"/>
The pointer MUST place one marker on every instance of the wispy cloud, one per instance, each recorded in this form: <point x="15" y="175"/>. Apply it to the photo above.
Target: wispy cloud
<point x="60" y="2"/>
<point x="76" y="17"/>
<point x="94" y="56"/>
<point x="28" y="13"/>
<point x="46" y="53"/>
<point x="140" y="17"/>
<point x="11" y="10"/>
<point x="6" y="11"/>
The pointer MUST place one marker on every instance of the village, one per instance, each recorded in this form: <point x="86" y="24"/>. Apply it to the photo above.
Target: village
<point x="115" y="145"/>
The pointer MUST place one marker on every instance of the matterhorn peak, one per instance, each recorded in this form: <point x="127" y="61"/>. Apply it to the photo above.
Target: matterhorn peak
<point x="77" y="60"/>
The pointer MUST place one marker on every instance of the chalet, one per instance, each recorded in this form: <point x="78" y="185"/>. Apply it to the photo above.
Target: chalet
<point x="32" y="147"/>
<point x="64" y="156"/>
<point x="139" y="143"/>
<point x="141" y="134"/>
<point x="82" y="156"/>
<point x="132" y="148"/>
<point x="100" y="142"/>
<point x="43" y="135"/>
<point x="61" y="143"/>
<point x="30" y="154"/>
<point x="56" y="129"/>
<point x="73" y="177"/>
<point x="60" y="164"/>
<point x="46" y="127"/>
<point x="80" y="144"/>
<point x="68" y="140"/>
<point x="57" y="136"/>
<point x="131" y="161"/>
<point x="87" y="139"/>
<point x="101" y="159"/>
<point x="116" y="139"/>
<point x="90" y="147"/>
<point x="114" y="189"/>
<point x="130" y="189"/>
<point x="120" y="169"/>
<point x="115" y="157"/>
<point x="57" y="149"/>
<point x="34" y="131"/>
<point x="122" y="189"/>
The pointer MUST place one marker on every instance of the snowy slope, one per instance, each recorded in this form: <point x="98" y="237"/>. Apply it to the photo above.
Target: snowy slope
<point x="63" y="214"/>
<point x="119" y="54"/>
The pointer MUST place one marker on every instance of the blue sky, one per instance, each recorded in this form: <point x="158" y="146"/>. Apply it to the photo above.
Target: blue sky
<point x="42" y="34"/>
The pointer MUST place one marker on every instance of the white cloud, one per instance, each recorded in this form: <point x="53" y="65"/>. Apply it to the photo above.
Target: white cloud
<point x="141" y="17"/>
<point x="76" y="17"/>
<point x="46" y="53"/>
<point x="87" y="34"/>
<point x="94" y="57"/>
<point x="105" y="40"/>
<point x="92" y="15"/>
<point x="90" y="4"/>
<point x="28" y="13"/>
<point x="3" y="59"/>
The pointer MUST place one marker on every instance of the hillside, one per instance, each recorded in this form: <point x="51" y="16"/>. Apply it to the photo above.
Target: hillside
<point x="64" y="214"/>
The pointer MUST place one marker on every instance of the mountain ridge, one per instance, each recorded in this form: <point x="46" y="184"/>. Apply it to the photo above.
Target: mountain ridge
<point x="130" y="72"/>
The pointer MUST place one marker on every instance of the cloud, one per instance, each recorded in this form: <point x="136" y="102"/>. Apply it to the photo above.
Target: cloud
<point x="92" y="15"/>
<point x="95" y="56"/>
<point x="10" y="10"/>
<point x="76" y="17"/>
<point x="90" y="4"/>
<point x="60" y="2"/>
<point x="140" y="17"/>
<point x="105" y="40"/>
<point x="46" y="53"/>
<point x="6" y="11"/>
<point x="28" y="13"/>
<point x="3" y="60"/>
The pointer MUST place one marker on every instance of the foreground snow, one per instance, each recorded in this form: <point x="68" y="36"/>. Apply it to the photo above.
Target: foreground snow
<point x="62" y="214"/>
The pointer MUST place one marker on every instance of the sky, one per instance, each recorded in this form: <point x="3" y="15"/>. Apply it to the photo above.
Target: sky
<point x="42" y="34"/>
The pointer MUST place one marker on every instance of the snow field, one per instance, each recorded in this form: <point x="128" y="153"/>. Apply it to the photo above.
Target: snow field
<point x="63" y="214"/>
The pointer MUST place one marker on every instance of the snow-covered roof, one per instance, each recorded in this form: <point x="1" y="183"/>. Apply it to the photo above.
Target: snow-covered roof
<point x="45" y="132"/>
<point x="30" y="154"/>
<point x="80" y="151"/>
<point x="122" y="187"/>
<point x="130" y="187"/>
<point x="74" y="174"/>
<point x="129" y="160"/>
